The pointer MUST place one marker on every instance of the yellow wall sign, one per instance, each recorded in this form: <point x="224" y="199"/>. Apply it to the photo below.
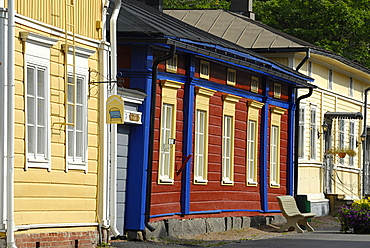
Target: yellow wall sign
<point x="115" y="110"/>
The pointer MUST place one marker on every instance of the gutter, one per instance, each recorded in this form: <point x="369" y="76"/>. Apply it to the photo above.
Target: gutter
<point x="10" y="229"/>
<point x="296" y="135"/>
<point x="113" y="131"/>
<point x="365" y="171"/>
<point x="151" y="136"/>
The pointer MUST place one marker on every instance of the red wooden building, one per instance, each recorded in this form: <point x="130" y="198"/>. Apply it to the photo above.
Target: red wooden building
<point x="217" y="138"/>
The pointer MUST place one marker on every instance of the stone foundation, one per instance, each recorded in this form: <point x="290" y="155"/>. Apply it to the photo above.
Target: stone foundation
<point x="175" y="227"/>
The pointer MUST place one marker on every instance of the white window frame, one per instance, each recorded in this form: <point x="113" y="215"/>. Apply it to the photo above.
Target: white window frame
<point x="301" y="131"/>
<point x="77" y="146"/>
<point x="275" y="129"/>
<point x="341" y="136"/>
<point x="74" y="162"/>
<point x="254" y="108"/>
<point x="330" y="79"/>
<point x="313" y="133"/>
<point x="167" y="142"/>
<point x="171" y="64"/>
<point x="274" y="155"/>
<point x="37" y="56"/>
<point x="277" y="90"/>
<point x="231" y="77"/>
<point x="227" y="149"/>
<point x="352" y="141"/>
<point x="228" y="131"/>
<point x="252" y="152"/>
<point x="204" y="70"/>
<point x="254" y="84"/>
<point x="200" y="153"/>
<point x="203" y="96"/>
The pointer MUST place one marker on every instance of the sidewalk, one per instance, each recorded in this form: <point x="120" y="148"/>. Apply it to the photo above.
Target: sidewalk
<point x="326" y="235"/>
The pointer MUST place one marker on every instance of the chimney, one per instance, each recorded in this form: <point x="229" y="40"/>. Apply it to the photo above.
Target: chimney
<point x="157" y="4"/>
<point x="243" y="7"/>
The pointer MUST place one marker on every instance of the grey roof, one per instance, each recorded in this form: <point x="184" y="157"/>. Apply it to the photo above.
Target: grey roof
<point x="141" y="22"/>
<point x="251" y="34"/>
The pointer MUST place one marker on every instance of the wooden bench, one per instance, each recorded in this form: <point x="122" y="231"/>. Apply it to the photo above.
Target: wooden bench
<point x="292" y="214"/>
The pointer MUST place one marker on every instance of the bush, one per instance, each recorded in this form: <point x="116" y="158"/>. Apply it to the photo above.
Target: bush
<point x="356" y="216"/>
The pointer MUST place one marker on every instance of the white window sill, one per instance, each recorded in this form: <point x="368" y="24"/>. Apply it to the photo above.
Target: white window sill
<point x="38" y="163"/>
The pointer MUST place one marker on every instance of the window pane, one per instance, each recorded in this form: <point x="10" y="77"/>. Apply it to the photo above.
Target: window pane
<point x="31" y="139"/>
<point x="31" y="110"/>
<point x="40" y="140"/>
<point x="79" y="144"/>
<point x="79" y="97"/>
<point x="79" y="117"/>
<point x="40" y="83"/>
<point x="30" y="81"/>
<point x="71" y="94"/>
<point x="40" y="112"/>
<point x="71" y="142"/>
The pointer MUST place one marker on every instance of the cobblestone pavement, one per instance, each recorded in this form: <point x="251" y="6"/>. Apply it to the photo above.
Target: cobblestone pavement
<point x="263" y="236"/>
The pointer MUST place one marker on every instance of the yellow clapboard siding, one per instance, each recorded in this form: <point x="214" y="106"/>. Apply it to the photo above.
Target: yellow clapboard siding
<point x="19" y="131"/>
<point x="54" y="204"/>
<point x="56" y="69"/>
<point x="48" y="217"/>
<point x="93" y="153"/>
<point x="71" y="178"/>
<point x="19" y="116"/>
<point x="58" y="149"/>
<point x="53" y="190"/>
<point x="93" y="141"/>
<point x="53" y="12"/>
<point x="57" y="164"/>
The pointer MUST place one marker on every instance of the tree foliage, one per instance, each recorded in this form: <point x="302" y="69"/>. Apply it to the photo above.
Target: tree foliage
<point x="196" y="4"/>
<point x="341" y="26"/>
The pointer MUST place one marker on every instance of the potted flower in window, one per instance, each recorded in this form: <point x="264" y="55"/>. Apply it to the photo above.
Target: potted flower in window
<point x="341" y="152"/>
<point x="351" y="152"/>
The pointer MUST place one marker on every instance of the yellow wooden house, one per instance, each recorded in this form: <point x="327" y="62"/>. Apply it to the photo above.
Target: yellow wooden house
<point x="50" y="148"/>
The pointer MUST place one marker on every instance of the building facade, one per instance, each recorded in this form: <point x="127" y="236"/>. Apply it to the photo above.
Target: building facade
<point x="50" y="131"/>
<point x="222" y="141"/>
<point x="337" y="104"/>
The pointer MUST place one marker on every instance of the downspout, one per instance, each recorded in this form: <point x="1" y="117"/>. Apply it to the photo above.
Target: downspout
<point x="296" y="135"/>
<point x="10" y="228"/>
<point x="113" y="131"/>
<point x="308" y="52"/>
<point x="151" y="136"/>
<point x="365" y="170"/>
<point x="103" y="130"/>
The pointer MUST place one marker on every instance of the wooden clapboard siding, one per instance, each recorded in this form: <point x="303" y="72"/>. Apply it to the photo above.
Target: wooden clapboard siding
<point x="56" y="196"/>
<point x="53" y="12"/>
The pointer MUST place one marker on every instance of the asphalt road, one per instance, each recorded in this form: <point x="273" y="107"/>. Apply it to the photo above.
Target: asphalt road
<point x="327" y="238"/>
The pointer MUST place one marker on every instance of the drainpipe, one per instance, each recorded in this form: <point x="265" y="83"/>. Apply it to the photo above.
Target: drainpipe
<point x="113" y="131"/>
<point x="364" y="155"/>
<point x="296" y="135"/>
<point x="308" y="53"/>
<point x="151" y="136"/>
<point x="10" y="228"/>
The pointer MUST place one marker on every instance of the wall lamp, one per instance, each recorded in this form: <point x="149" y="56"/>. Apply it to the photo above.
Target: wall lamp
<point x="362" y="139"/>
<point x="325" y="128"/>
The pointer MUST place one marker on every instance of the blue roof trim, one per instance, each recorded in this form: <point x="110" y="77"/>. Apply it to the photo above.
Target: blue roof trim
<point x="248" y="56"/>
